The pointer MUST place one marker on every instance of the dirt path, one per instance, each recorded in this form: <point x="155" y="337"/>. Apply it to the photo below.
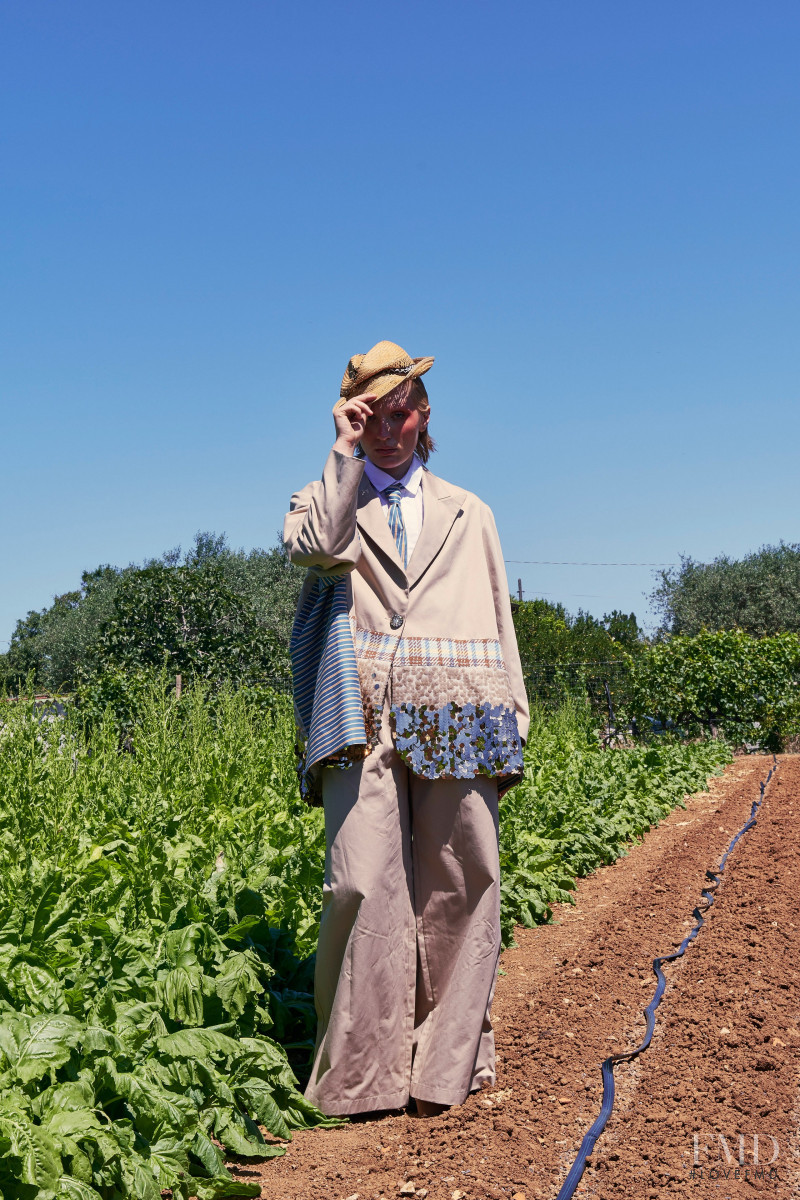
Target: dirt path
<point x="724" y="1059"/>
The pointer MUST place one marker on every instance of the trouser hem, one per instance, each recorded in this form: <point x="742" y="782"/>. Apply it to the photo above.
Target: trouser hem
<point x="343" y="1108"/>
<point x="442" y="1096"/>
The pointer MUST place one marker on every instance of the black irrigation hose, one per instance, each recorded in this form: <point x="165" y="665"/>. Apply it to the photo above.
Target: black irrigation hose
<point x="587" y="1145"/>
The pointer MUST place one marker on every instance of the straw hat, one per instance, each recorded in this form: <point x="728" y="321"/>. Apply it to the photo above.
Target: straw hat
<point x="379" y="371"/>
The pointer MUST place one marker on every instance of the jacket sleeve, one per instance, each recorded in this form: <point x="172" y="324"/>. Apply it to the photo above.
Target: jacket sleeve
<point x="505" y="623"/>
<point x="319" y="530"/>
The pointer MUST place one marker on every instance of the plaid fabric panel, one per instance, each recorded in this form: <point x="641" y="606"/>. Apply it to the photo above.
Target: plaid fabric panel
<point x="428" y="652"/>
<point x="377" y="647"/>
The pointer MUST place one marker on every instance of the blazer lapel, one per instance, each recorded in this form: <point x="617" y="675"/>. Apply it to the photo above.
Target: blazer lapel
<point x="441" y="505"/>
<point x="373" y="521"/>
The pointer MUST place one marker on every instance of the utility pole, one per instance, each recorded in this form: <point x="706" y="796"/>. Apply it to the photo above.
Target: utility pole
<point x="519" y="589"/>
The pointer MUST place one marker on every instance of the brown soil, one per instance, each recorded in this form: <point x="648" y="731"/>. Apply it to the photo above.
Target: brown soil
<point x="724" y="1057"/>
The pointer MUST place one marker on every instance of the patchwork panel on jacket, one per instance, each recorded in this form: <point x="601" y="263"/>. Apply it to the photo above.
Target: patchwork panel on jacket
<point x="452" y="708"/>
<point x="435" y="685"/>
<point x="457" y="741"/>
<point x="450" y="652"/>
<point x="375" y="648"/>
<point x="374" y="655"/>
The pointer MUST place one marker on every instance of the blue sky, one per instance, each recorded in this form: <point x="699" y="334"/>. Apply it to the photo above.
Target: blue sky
<point x="588" y="212"/>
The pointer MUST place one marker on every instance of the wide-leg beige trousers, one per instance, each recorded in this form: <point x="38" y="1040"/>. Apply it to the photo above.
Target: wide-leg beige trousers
<point x="409" y="937"/>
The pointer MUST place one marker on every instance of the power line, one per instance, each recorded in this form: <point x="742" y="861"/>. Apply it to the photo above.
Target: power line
<point x="537" y="562"/>
<point x="576" y="595"/>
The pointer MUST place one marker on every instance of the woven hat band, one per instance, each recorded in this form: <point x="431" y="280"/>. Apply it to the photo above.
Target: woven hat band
<point x="366" y="378"/>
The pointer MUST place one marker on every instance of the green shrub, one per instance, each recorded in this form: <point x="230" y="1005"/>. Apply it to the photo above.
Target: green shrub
<point x="547" y="634"/>
<point x="759" y="593"/>
<point x="213" y="613"/>
<point x="746" y="688"/>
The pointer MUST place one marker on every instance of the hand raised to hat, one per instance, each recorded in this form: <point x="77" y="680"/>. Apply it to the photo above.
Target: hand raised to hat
<point x="350" y="419"/>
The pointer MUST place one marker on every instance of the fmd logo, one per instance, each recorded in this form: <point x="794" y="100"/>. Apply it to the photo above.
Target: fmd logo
<point x="743" y="1156"/>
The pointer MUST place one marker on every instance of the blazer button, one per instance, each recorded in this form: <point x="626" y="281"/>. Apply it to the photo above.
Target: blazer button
<point x="396" y="621"/>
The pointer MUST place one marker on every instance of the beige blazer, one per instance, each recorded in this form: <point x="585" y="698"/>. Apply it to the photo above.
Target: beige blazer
<point x="434" y="640"/>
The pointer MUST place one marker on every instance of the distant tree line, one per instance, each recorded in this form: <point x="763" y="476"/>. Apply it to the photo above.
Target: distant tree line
<point x="548" y="634"/>
<point x="212" y="613"/>
<point x="759" y="593"/>
<point x="218" y="614"/>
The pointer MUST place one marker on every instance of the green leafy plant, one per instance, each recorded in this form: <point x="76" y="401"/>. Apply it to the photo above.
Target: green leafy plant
<point x="159" y="910"/>
<point x="580" y="805"/>
<point x="155" y="928"/>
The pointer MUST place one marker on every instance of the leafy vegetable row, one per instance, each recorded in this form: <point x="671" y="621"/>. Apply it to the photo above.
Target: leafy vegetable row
<point x="158" y="914"/>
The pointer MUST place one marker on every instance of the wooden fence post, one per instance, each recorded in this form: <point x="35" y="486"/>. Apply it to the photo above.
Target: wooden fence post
<point x="177" y="687"/>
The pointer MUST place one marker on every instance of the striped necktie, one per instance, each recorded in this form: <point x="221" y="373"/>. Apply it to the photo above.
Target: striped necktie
<point x="393" y="493"/>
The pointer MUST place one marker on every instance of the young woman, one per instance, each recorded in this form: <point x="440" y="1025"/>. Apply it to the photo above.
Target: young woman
<point x="412" y="713"/>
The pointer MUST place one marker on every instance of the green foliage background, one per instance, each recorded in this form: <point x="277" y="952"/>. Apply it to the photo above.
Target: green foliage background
<point x="159" y="911"/>
<point x="219" y="614"/>
<point x="565" y="656"/>
<point x="160" y="878"/>
<point x="743" y="687"/>
<point x="547" y="633"/>
<point x="213" y="613"/>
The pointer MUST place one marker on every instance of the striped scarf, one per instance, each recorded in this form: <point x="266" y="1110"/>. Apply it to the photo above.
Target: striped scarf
<point x="327" y="691"/>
